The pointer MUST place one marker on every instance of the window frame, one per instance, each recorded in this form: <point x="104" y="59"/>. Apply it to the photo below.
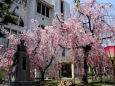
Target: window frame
<point x="45" y="10"/>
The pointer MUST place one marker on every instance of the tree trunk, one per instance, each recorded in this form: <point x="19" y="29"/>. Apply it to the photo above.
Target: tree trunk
<point x="113" y="64"/>
<point x="92" y="72"/>
<point x="42" y="75"/>
<point x="100" y="72"/>
<point x="87" y="48"/>
<point x="43" y="71"/>
<point x="114" y="73"/>
<point x="85" y="79"/>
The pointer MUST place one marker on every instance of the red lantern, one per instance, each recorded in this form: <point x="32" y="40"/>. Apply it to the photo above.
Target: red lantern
<point x="110" y="51"/>
<point x="10" y="61"/>
<point x="59" y="66"/>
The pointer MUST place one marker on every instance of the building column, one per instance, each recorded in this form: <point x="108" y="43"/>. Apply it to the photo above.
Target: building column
<point x="89" y="69"/>
<point x="30" y="13"/>
<point x="35" y="73"/>
<point x="73" y="70"/>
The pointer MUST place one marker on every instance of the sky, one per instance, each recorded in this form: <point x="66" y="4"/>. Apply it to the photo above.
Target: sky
<point x="98" y="1"/>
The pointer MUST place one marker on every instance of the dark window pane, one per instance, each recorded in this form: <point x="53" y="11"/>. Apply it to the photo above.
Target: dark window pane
<point x="43" y="10"/>
<point x="21" y="23"/>
<point x="62" y="10"/>
<point x="24" y="63"/>
<point x="47" y="12"/>
<point x="14" y="32"/>
<point x="39" y="7"/>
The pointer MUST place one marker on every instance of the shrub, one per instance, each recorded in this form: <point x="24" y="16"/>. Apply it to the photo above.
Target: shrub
<point x="2" y="75"/>
<point x="90" y="73"/>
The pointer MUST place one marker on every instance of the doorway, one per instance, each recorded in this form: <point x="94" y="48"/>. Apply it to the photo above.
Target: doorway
<point x="66" y="70"/>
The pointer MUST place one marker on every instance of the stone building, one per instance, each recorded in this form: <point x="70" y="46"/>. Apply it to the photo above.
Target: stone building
<point x="41" y="10"/>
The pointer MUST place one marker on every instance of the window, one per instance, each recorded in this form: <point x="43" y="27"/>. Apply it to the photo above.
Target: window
<point x="62" y="7"/>
<point x="47" y="12"/>
<point x="39" y="7"/>
<point x="43" y="10"/>
<point x="21" y="23"/>
<point x="14" y="32"/>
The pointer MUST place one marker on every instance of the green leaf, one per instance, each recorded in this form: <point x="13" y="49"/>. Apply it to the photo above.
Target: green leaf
<point x="5" y="14"/>
<point x="9" y="18"/>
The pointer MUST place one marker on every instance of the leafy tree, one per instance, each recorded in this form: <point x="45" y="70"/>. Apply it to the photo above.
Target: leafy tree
<point x="6" y="15"/>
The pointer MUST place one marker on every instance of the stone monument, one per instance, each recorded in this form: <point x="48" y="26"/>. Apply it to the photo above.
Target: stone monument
<point x="20" y="68"/>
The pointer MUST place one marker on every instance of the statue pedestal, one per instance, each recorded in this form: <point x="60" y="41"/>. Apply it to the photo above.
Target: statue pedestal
<point x="21" y="71"/>
<point x="24" y="83"/>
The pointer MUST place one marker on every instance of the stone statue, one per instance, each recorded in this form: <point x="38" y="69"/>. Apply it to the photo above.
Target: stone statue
<point x="21" y="47"/>
<point x="20" y="67"/>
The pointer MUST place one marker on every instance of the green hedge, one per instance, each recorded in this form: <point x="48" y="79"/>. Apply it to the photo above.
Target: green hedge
<point x="90" y="73"/>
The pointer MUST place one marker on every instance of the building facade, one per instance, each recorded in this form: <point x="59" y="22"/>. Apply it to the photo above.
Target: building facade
<point x="41" y="10"/>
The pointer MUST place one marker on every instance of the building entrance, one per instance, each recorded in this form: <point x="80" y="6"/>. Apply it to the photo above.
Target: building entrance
<point x="66" y="70"/>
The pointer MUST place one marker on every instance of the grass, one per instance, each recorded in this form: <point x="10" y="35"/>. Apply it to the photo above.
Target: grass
<point x="105" y="82"/>
<point x="49" y="83"/>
